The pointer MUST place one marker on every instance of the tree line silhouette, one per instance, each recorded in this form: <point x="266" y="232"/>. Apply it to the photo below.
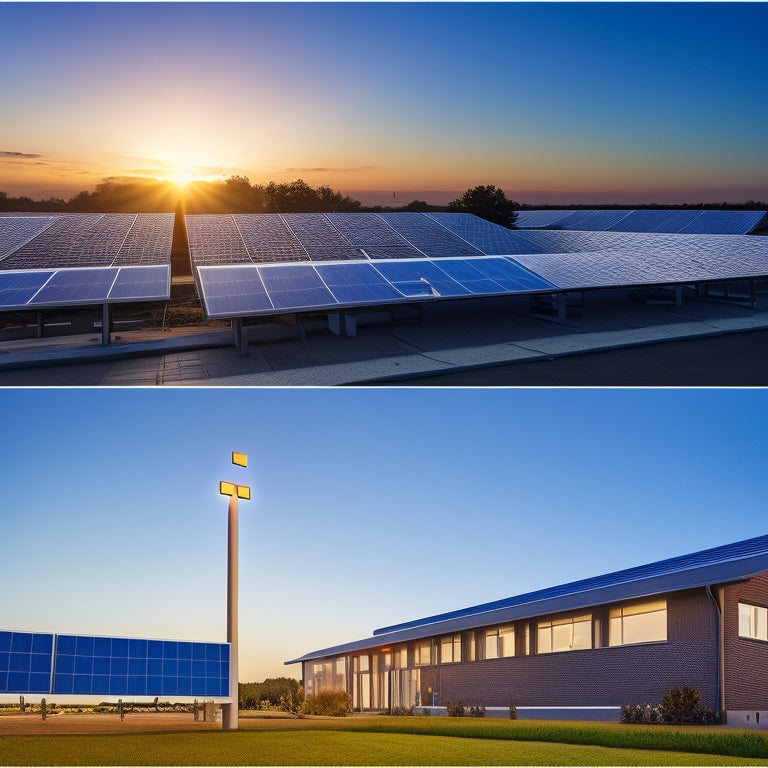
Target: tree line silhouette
<point x="238" y="195"/>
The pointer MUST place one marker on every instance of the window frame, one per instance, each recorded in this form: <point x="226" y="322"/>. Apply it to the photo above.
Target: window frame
<point x="753" y="609"/>
<point x="632" y="608"/>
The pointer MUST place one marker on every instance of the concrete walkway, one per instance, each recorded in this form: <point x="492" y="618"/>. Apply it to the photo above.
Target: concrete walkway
<point x="449" y="338"/>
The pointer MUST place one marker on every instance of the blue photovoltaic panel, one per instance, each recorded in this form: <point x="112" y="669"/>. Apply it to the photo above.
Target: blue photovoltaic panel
<point x="489" y="238"/>
<point x="25" y="662"/>
<point x="420" y="278"/>
<point x="465" y="272"/>
<point x="295" y="286"/>
<point x="142" y="284"/>
<point x="431" y="238"/>
<point x="723" y="223"/>
<point x="17" y="288"/>
<point x="232" y="291"/>
<point x="366" y="229"/>
<point x="16" y="231"/>
<point x="116" y="666"/>
<point x="71" y="286"/>
<point x="353" y="283"/>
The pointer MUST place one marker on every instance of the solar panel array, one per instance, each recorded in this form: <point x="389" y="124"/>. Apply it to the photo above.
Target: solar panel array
<point x="246" y="290"/>
<point x="268" y="264"/>
<point x="111" y="666"/>
<point x="653" y="220"/>
<point x="90" y="240"/>
<point x="63" y="259"/>
<point x="35" y="289"/>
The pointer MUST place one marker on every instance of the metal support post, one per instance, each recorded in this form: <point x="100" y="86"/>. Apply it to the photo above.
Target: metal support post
<point x="230" y="715"/>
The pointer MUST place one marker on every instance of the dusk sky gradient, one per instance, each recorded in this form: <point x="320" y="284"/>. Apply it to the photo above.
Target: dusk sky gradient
<point x="370" y="507"/>
<point x="555" y="103"/>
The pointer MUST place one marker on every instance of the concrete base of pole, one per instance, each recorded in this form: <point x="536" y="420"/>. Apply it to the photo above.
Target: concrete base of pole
<point x="229" y="717"/>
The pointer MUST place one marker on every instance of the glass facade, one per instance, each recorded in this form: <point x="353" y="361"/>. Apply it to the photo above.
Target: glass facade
<point x="638" y="623"/>
<point x="450" y="649"/>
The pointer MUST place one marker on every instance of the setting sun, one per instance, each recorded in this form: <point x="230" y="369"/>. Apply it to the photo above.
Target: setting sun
<point x="181" y="176"/>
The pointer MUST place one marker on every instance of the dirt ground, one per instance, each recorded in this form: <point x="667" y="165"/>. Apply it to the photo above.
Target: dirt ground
<point x="134" y="722"/>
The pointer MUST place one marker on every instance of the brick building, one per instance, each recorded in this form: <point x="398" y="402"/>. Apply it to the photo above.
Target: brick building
<point x="580" y="649"/>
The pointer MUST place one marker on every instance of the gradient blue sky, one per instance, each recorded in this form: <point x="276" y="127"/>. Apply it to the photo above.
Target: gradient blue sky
<point x="370" y="507"/>
<point x="554" y="102"/>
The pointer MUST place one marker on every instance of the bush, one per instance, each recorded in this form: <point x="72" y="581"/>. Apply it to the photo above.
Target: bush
<point x="459" y="710"/>
<point x="401" y="711"/>
<point x="679" y="706"/>
<point x="329" y="703"/>
<point x="512" y="712"/>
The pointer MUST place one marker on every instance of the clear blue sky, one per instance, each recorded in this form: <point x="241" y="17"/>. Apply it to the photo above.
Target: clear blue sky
<point x="555" y="102"/>
<point x="370" y="507"/>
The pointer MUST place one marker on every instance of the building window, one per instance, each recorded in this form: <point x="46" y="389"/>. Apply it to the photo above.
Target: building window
<point x="423" y="655"/>
<point x="638" y="623"/>
<point x="400" y="658"/>
<point x="753" y="621"/>
<point x="500" y="642"/>
<point x="450" y="649"/>
<point x="572" y="633"/>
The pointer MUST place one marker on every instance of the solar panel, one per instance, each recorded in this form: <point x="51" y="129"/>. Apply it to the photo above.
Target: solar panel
<point x="232" y="291"/>
<point x="115" y="666"/>
<point x="366" y="229"/>
<point x="652" y="220"/>
<point x="295" y="286"/>
<point x="76" y="286"/>
<point x="428" y="236"/>
<point x="148" y="241"/>
<point x="488" y="238"/>
<point x="16" y="231"/>
<point x="357" y="283"/>
<point x="17" y="288"/>
<point x="420" y="278"/>
<point x="215" y="240"/>
<point x="141" y="284"/>
<point x="269" y="239"/>
<point x="26" y="660"/>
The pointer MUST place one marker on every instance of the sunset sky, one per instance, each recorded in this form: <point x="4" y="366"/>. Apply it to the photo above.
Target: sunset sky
<point x="553" y="102"/>
<point x="112" y="523"/>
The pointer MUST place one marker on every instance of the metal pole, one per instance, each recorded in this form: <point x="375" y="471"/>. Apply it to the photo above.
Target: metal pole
<point x="230" y="711"/>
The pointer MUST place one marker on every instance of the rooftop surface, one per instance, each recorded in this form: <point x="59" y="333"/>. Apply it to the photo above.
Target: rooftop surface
<point x="731" y="562"/>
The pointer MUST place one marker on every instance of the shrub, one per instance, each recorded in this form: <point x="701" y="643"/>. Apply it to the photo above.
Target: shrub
<point x="329" y="703"/>
<point x="679" y="705"/>
<point x="401" y="711"/>
<point x="512" y="712"/>
<point x="459" y="710"/>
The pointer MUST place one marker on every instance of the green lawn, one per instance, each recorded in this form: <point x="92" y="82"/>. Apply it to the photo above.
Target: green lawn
<point x="310" y="747"/>
<point x="399" y="741"/>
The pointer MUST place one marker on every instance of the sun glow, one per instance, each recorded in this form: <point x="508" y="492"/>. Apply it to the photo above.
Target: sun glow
<point x="181" y="176"/>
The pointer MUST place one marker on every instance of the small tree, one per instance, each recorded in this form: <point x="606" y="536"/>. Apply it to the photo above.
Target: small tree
<point x="489" y="203"/>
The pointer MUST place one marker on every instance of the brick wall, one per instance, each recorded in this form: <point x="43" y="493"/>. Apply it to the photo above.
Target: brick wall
<point x="599" y="677"/>
<point x="746" y="660"/>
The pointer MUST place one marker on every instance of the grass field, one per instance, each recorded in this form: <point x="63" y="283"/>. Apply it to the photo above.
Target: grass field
<point x="395" y="741"/>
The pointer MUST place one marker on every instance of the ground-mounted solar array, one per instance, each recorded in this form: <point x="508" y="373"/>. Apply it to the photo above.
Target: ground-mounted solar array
<point x="686" y="222"/>
<point x="111" y="666"/>
<point x="74" y="259"/>
<point x="329" y="262"/>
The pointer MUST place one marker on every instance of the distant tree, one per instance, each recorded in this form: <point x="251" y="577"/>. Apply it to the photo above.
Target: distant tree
<point x="299" y="197"/>
<point x="417" y="206"/>
<point x="490" y="203"/>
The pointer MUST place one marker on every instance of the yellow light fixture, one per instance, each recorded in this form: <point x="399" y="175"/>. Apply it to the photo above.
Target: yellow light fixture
<point x="241" y="459"/>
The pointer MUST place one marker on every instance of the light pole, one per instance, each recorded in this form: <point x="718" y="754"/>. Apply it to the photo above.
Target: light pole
<point x="235" y="492"/>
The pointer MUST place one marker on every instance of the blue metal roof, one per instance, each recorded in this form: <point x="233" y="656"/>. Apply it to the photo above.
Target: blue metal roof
<point x="732" y="562"/>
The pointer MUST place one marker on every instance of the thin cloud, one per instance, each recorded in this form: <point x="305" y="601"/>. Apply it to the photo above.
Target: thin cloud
<point x="333" y="170"/>
<point x="18" y="155"/>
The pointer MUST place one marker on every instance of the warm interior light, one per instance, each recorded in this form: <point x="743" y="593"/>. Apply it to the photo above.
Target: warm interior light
<point x="241" y="459"/>
<point x="243" y="492"/>
<point x="227" y="489"/>
<point x="386" y="650"/>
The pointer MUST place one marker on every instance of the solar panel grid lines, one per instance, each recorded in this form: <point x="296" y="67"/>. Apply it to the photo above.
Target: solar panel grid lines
<point x="232" y="291"/>
<point x="17" y="289"/>
<point x="89" y="665"/>
<point x="17" y="231"/>
<point x="267" y="238"/>
<point x="295" y="286"/>
<point x="356" y="283"/>
<point x="26" y="660"/>
<point x="367" y="229"/>
<point x="145" y="283"/>
<point x="72" y="286"/>
<point x="431" y="238"/>
<point x="148" y="241"/>
<point x="215" y="239"/>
